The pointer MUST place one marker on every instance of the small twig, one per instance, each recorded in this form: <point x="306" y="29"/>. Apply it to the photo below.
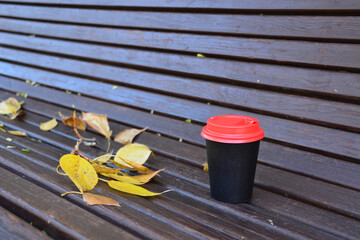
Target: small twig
<point x="108" y="145"/>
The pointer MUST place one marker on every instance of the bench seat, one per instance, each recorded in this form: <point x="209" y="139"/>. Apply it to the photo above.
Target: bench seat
<point x="294" y="67"/>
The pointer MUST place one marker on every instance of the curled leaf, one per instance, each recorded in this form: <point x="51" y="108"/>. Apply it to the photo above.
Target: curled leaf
<point x="126" y="136"/>
<point x="14" y="115"/>
<point x="98" y="122"/>
<point x="136" y="166"/>
<point x="17" y="133"/>
<point x="104" y="158"/>
<point x="132" y="189"/>
<point x="104" y="169"/>
<point x="47" y="126"/>
<point x="9" y="106"/>
<point x="94" y="199"/>
<point x="69" y="121"/>
<point x="206" y="167"/>
<point x="80" y="171"/>
<point x="135" y="152"/>
<point x="137" y="180"/>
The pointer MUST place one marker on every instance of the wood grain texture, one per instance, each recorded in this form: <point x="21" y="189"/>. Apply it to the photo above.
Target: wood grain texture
<point x="306" y="135"/>
<point x="280" y="26"/>
<point x="285" y="5"/>
<point x="182" y="198"/>
<point x="173" y="222"/>
<point x="276" y="103"/>
<point x="185" y="171"/>
<point x="312" y="165"/>
<point x="337" y="84"/>
<point x="15" y="228"/>
<point x="48" y="208"/>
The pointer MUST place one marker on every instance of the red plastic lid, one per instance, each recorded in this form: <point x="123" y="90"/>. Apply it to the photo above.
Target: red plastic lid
<point x="232" y="129"/>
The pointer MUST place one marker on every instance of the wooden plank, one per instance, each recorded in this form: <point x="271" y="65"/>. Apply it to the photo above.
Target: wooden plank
<point x="301" y="107"/>
<point x="342" y="144"/>
<point x="182" y="198"/>
<point x="53" y="211"/>
<point x="254" y="25"/>
<point x="317" y="194"/>
<point x="15" y="228"/>
<point x="285" y="5"/>
<point x="130" y="203"/>
<point x="266" y="178"/>
<point x="324" y="55"/>
<point x="337" y="84"/>
<point x="196" y="174"/>
<point x="312" y="165"/>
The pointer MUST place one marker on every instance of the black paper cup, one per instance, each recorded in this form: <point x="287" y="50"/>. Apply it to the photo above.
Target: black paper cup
<point x="232" y="144"/>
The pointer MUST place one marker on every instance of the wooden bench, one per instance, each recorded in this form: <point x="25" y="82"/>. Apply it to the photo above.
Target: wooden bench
<point x="294" y="65"/>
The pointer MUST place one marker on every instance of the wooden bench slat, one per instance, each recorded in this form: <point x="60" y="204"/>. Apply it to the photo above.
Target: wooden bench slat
<point x="337" y="84"/>
<point x="53" y="211"/>
<point x="269" y="178"/>
<point x="159" y="159"/>
<point x="133" y="204"/>
<point x="257" y="25"/>
<point x="264" y="101"/>
<point x="303" y="53"/>
<point x="238" y="207"/>
<point x="314" y="165"/>
<point x="13" y="227"/>
<point x="328" y="169"/>
<point x="284" y="5"/>
<point x="306" y="135"/>
<point x="144" y="217"/>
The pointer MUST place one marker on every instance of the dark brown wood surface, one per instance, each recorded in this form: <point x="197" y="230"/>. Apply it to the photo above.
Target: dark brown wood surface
<point x="293" y="65"/>
<point x="263" y="25"/>
<point x="289" y="105"/>
<point x="55" y="138"/>
<point x="15" y="228"/>
<point x="285" y="5"/>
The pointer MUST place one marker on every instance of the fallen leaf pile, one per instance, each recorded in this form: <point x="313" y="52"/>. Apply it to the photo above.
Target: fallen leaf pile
<point x="123" y="171"/>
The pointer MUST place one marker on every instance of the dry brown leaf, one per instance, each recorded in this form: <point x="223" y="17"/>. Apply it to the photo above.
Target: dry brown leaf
<point x="137" y="180"/>
<point x="47" y="126"/>
<point x="9" y="106"/>
<point x="94" y="199"/>
<point x="17" y="133"/>
<point x="69" y="121"/>
<point x="132" y="189"/>
<point x="135" y="152"/>
<point x="126" y="136"/>
<point x="98" y="122"/>
<point x="104" y="169"/>
<point x="80" y="171"/>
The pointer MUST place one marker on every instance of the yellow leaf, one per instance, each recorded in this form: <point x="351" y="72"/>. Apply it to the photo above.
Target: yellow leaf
<point x="94" y="199"/>
<point x="9" y="106"/>
<point x="104" y="169"/>
<point x="126" y="136"/>
<point x="17" y="133"/>
<point x="206" y="167"/>
<point x="69" y="121"/>
<point x="98" y="122"/>
<point x="137" y="180"/>
<point x="104" y="158"/>
<point x="80" y="171"/>
<point x="46" y="126"/>
<point x="135" y="152"/>
<point x="138" y="167"/>
<point x="132" y="189"/>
